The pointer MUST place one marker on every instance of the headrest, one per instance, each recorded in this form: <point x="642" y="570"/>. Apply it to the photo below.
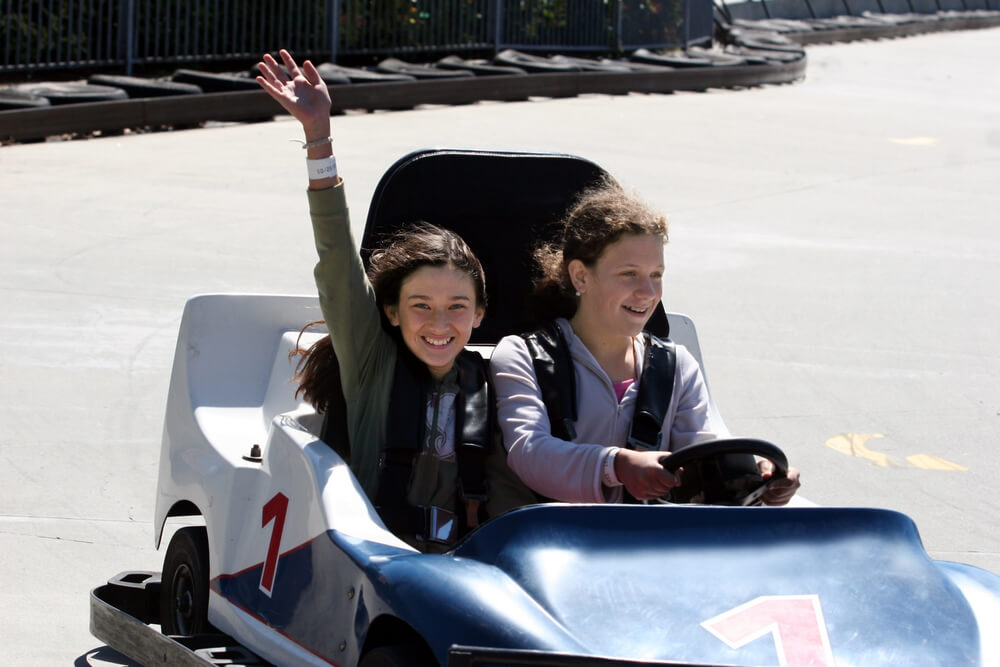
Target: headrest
<point x="504" y="204"/>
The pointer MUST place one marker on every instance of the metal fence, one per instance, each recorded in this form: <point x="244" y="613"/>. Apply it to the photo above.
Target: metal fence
<point x="41" y="35"/>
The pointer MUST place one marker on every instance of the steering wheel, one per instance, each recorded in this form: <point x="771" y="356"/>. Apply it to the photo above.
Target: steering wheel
<point x="724" y="471"/>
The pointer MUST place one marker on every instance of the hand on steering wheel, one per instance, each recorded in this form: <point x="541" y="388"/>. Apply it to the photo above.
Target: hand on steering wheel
<point x="724" y="472"/>
<point x="643" y="475"/>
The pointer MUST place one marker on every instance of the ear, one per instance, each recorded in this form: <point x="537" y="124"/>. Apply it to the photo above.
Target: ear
<point x="578" y="275"/>
<point x="480" y="312"/>
<point x="392" y="313"/>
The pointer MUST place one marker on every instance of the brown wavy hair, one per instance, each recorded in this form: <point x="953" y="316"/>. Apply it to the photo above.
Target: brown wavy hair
<point x="598" y="217"/>
<point x="418" y="245"/>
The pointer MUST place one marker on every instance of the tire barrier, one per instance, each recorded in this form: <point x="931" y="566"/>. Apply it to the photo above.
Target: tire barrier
<point x="824" y="21"/>
<point x="757" y="43"/>
<point x="394" y="84"/>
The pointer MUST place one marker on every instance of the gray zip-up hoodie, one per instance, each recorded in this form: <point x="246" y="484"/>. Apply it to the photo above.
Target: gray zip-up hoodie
<point x="570" y="471"/>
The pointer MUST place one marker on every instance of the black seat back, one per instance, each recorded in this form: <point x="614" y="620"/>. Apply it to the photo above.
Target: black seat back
<point x="502" y="203"/>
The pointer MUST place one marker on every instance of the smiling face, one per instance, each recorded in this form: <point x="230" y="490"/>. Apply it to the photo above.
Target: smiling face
<point x="620" y="290"/>
<point x="436" y="314"/>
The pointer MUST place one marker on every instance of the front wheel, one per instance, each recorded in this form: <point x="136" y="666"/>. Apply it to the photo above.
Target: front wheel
<point x="184" y="587"/>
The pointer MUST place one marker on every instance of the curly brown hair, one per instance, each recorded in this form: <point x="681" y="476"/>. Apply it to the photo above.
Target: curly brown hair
<point x="600" y="216"/>
<point x="418" y="245"/>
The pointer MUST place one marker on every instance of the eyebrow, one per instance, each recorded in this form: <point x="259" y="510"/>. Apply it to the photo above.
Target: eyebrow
<point x="457" y="297"/>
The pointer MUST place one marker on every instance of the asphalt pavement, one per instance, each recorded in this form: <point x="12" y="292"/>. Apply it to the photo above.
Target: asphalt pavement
<point x="835" y="240"/>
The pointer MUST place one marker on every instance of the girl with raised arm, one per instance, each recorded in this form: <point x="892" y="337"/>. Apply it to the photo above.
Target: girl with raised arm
<point x="419" y="407"/>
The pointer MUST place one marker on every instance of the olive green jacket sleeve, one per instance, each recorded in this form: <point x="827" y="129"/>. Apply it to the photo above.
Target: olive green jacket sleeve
<point x="366" y="353"/>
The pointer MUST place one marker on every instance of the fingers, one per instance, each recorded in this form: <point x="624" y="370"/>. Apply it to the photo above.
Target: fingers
<point x="311" y="73"/>
<point x="781" y="491"/>
<point x="270" y="69"/>
<point x="293" y="69"/>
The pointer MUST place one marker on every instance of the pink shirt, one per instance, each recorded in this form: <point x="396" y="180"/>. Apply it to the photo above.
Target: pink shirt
<point x="622" y="387"/>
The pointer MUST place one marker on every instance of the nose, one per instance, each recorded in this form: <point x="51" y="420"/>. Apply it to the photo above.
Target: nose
<point x="649" y="288"/>
<point x="439" y="318"/>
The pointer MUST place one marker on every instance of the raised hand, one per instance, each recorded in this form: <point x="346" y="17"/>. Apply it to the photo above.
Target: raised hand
<point x="300" y="91"/>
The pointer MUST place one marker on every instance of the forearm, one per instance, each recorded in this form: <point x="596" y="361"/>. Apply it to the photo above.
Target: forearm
<point x="346" y="296"/>
<point x="322" y="173"/>
<point x="552" y="467"/>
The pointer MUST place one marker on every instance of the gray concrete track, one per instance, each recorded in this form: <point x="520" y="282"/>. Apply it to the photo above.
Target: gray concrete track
<point x="835" y="241"/>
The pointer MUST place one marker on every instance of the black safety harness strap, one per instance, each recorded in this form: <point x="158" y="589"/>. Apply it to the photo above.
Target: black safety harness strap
<point x="656" y="388"/>
<point x="405" y="435"/>
<point x="556" y="377"/>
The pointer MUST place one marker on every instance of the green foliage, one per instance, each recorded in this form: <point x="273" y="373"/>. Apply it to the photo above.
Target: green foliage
<point x="652" y="22"/>
<point x="45" y="32"/>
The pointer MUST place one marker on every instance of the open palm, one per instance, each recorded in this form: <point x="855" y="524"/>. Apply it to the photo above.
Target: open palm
<point x="300" y="91"/>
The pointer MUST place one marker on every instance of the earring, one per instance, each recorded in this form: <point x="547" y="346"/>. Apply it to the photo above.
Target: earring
<point x="578" y="293"/>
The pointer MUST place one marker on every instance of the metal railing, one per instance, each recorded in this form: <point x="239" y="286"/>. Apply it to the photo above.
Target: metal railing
<point x="44" y="35"/>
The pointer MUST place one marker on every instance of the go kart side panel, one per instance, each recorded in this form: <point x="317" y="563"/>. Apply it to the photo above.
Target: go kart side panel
<point x="223" y="361"/>
<point x="230" y="390"/>
<point x="279" y="587"/>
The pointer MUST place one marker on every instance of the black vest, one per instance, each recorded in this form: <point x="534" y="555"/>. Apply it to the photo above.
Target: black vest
<point x="553" y="365"/>
<point x="405" y="433"/>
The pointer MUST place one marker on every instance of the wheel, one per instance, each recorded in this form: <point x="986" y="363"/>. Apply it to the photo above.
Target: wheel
<point x="724" y="471"/>
<point x="398" y="655"/>
<point x="184" y="587"/>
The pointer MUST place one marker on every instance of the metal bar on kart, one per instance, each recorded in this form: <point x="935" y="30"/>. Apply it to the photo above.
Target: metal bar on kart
<point x="120" y="615"/>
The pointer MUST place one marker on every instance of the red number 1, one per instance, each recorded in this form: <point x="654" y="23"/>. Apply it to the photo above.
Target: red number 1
<point x="274" y="510"/>
<point x="795" y="623"/>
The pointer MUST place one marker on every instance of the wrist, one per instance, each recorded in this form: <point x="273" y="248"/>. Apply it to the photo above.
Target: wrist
<point x="609" y="476"/>
<point x="318" y="130"/>
<point x="322" y="168"/>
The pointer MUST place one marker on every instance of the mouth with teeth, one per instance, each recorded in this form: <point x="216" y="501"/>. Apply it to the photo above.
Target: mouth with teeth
<point x="635" y="310"/>
<point x="437" y="342"/>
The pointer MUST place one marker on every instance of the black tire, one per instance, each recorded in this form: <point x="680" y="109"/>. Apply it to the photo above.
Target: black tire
<point x="333" y="74"/>
<point x="477" y="67"/>
<point x="398" y="655"/>
<point x="212" y="82"/>
<point x="73" y="92"/>
<point x="184" y="587"/>
<point x="420" y="71"/>
<point x="532" y="64"/>
<point x="678" y="60"/>
<point x="13" y="99"/>
<point x="137" y="87"/>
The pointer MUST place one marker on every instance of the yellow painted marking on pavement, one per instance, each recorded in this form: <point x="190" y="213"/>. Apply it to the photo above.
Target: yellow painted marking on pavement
<point x="928" y="462"/>
<point x="913" y="141"/>
<point x="853" y="444"/>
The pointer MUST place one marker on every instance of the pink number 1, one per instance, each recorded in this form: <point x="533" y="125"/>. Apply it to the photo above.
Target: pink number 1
<point x="274" y="510"/>
<point x="794" y="621"/>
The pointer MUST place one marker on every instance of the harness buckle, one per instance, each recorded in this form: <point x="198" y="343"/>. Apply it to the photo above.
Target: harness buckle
<point x="642" y="445"/>
<point x="440" y="525"/>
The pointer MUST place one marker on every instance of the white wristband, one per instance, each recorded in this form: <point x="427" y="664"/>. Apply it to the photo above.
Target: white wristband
<point x="608" y="476"/>
<point x="322" y="168"/>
